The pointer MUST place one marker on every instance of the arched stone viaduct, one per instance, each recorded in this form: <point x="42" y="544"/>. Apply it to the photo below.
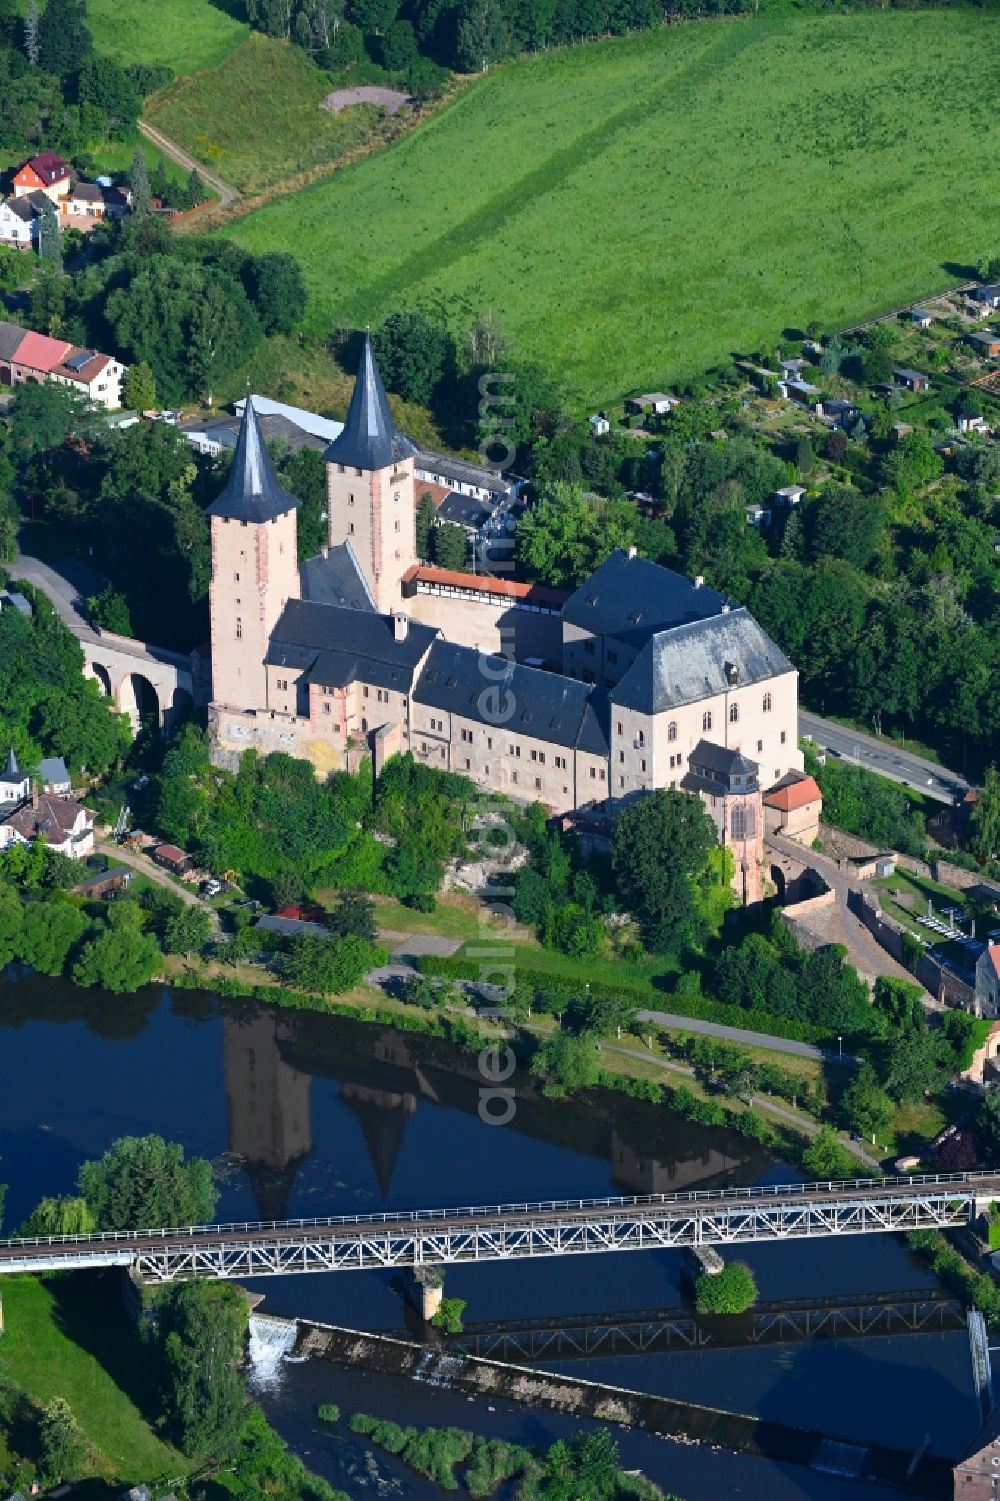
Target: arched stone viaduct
<point x="146" y="682"/>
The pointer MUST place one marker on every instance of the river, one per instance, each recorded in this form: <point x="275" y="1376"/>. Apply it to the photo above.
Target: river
<point x="305" y="1114"/>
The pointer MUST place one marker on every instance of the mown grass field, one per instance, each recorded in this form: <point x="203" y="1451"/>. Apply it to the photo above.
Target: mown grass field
<point x="186" y="34"/>
<point x="636" y="209"/>
<point x="255" y="118"/>
<point x="69" y="1337"/>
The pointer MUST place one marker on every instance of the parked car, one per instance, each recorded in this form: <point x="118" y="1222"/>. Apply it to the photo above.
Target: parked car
<point x="211" y="888"/>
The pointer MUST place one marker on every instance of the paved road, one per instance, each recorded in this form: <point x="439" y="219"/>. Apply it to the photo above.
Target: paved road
<point x="885" y="757"/>
<point x="227" y="193"/>
<point x="67" y="587"/>
<point x="751" y="1039"/>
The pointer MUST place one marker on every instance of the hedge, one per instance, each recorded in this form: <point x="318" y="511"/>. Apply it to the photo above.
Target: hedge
<point x="557" y="987"/>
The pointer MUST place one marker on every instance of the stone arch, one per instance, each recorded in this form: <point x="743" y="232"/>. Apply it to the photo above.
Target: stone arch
<point x="181" y="707"/>
<point x="101" y="676"/>
<point x="778" y="877"/>
<point x="139" y="700"/>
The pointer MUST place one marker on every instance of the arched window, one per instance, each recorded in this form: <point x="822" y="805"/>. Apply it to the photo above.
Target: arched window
<point x="767" y="703"/>
<point x="672" y="730"/>
<point x="738" y="823"/>
<point x="706" y="720"/>
<point x="239" y="629"/>
<point x="734" y="713"/>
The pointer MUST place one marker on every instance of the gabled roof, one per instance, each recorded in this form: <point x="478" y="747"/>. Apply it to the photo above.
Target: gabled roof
<point x="793" y="792"/>
<point x="334" y="577"/>
<point x="700" y="660"/>
<point x="991" y="955"/>
<point x="334" y="645"/>
<point x="546" y="705"/>
<point x="370" y="439"/>
<point x="48" y="166"/>
<point x="39" y="352"/>
<point x="631" y="599"/>
<point x="52" y="769"/>
<point x="252" y="491"/>
<point x="11" y="338"/>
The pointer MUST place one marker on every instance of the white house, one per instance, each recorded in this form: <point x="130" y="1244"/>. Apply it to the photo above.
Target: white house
<point x="790" y="495"/>
<point x="988" y="982"/>
<point x="651" y="401"/>
<point x="65" y="825"/>
<point x="54" y="776"/>
<point x="19" y="221"/>
<point x="599" y="425"/>
<point x="990" y="295"/>
<point x="973" y="423"/>
<point x="920" y="317"/>
<point x="98" y="376"/>
<point x="15" y="783"/>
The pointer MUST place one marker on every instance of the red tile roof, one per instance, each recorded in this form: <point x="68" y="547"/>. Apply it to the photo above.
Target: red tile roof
<point x="485" y="584"/>
<point x="794" y="795"/>
<point x="993" y="950"/>
<point x="39" y="352"/>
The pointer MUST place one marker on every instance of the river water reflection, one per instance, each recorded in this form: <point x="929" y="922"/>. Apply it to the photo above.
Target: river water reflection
<point x="306" y="1114"/>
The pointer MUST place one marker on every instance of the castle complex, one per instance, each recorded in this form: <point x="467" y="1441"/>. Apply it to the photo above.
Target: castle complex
<point x="639" y="679"/>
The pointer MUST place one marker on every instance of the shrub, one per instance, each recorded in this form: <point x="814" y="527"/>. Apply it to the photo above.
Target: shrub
<point x="328" y="1412"/>
<point x="732" y="1290"/>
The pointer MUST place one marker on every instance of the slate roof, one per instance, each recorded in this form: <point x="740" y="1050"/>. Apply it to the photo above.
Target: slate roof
<point x="291" y="927"/>
<point x="252" y="491"/>
<point x="465" y="510"/>
<point x="54" y="818"/>
<point x="690" y="663"/>
<point x="461" y="471"/>
<point x="721" y="759"/>
<point x="334" y="577"/>
<point x="52" y="769"/>
<point x="370" y="439"/>
<point x="10" y="340"/>
<point x="336" y="645"/>
<point x="546" y="706"/>
<point x="631" y="599"/>
<point x="12" y="772"/>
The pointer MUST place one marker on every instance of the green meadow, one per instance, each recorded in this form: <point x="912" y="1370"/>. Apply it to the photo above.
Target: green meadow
<point x="635" y="210"/>
<point x="184" y="34"/>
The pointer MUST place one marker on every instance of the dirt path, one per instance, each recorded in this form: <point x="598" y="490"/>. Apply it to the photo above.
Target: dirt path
<point x="227" y="193"/>
<point x="145" y="867"/>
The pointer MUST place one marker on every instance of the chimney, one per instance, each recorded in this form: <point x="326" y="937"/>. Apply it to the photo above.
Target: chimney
<point x="699" y="580"/>
<point x="400" y="625"/>
<point x="633" y="552"/>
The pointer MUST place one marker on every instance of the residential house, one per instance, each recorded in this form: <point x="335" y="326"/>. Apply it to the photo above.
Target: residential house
<point x="790" y="495"/>
<point x="15" y="782"/>
<point x="97" y="376"/>
<point x="20" y="221"/>
<point x="599" y="425"/>
<point x="66" y="826"/>
<point x="921" y="317"/>
<point x="792" y="807"/>
<point x="47" y="174"/>
<point x="792" y="369"/>
<point x="900" y="430"/>
<point x="842" y="413"/>
<point x="36" y="356"/>
<point x="757" y="516"/>
<point x="651" y="401"/>
<point x="986" y="342"/>
<point x="91" y="202"/>
<point x="105" y="883"/>
<point x="291" y="927"/>
<point x="973" y="422"/>
<point x="988" y="981"/>
<point x="11" y="337"/>
<point x="798" y="390"/>
<point x="488" y="524"/>
<point x="913" y="380"/>
<point x="988" y="294"/>
<point x="54" y="776"/>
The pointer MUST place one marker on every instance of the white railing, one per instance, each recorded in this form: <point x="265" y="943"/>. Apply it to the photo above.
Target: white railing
<point x="873" y="1188"/>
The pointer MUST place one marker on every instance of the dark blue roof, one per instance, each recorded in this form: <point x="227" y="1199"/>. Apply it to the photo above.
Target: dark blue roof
<point x="336" y="645"/>
<point x="334" y="577"/>
<point x="370" y="439"/>
<point x="631" y="599"/>
<point x="546" y="706"/>
<point x="252" y="491"/>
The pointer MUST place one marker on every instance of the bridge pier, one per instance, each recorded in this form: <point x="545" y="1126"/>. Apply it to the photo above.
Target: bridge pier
<point x="700" y="1261"/>
<point x="423" y="1289"/>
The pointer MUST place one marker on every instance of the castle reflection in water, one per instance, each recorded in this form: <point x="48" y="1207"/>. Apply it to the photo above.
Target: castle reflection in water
<point x="383" y="1076"/>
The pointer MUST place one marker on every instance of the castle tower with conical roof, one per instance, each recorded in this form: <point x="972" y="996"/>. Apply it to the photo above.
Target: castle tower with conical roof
<point x="370" y="488"/>
<point x="254" y="569"/>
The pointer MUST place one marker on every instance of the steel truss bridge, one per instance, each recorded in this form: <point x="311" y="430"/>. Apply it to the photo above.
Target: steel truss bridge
<point x="647" y="1330"/>
<point x="557" y="1227"/>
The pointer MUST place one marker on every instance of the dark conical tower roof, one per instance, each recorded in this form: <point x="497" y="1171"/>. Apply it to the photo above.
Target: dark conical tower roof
<point x="370" y="439"/>
<point x="252" y="490"/>
<point x="11" y="772"/>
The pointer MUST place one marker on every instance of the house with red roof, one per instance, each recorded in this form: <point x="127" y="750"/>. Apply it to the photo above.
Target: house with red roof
<point x="47" y="174"/>
<point x="792" y="807"/>
<point x="27" y="356"/>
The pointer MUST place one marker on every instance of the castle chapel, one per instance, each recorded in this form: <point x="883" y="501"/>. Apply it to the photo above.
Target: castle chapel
<point x="639" y="679"/>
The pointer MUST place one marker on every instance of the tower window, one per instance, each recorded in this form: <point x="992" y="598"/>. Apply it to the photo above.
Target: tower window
<point x="734" y="713"/>
<point x="239" y="629"/>
<point x="767" y="703"/>
<point x="236" y="578"/>
<point x="350" y="527"/>
<point x="706" y="720"/>
<point x="350" y="500"/>
<point x="672" y="730"/>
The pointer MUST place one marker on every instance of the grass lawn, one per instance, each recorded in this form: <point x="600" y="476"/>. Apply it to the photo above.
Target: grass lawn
<point x="256" y="118"/>
<point x="69" y="1337"/>
<point x="529" y="957"/>
<point x="635" y="209"/>
<point x="184" y="34"/>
